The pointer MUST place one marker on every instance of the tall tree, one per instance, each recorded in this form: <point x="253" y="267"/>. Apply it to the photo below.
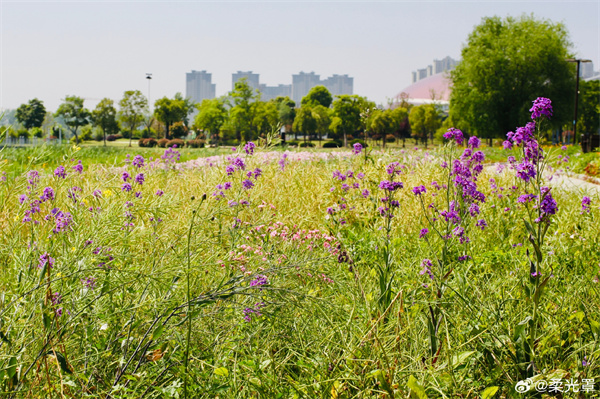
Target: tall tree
<point x="286" y="109"/>
<point x="506" y="64"/>
<point x="318" y="95"/>
<point x="323" y="118"/>
<point x="382" y="124"/>
<point x="212" y="114"/>
<point x="242" y="112"/>
<point x="169" y="111"/>
<point x="425" y="120"/>
<point x="305" y="122"/>
<point x="105" y="117"/>
<point x="132" y="106"/>
<point x="31" y="114"/>
<point x="74" y="114"/>
<point x="589" y="107"/>
<point x="347" y="114"/>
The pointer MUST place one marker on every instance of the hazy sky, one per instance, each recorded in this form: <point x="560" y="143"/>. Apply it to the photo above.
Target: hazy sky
<point x="97" y="49"/>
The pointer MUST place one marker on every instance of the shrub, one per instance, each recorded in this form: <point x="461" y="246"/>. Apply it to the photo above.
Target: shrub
<point x="196" y="143"/>
<point x="113" y="137"/>
<point x="362" y="142"/>
<point x="390" y="138"/>
<point x="332" y="144"/>
<point x="292" y="143"/>
<point x="162" y="143"/>
<point x="308" y="144"/>
<point x="37" y="132"/>
<point x="176" y="142"/>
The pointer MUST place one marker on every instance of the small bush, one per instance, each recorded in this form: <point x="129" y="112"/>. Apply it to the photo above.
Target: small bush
<point x="176" y="142"/>
<point x="308" y="144"/>
<point x="332" y="144"/>
<point x="37" y="132"/>
<point x="292" y="143"/>
<point x="113" y="137"/>
<point x="162" y="143"/>
<point x="390" y="138"/>
<point x="196" y="143"/>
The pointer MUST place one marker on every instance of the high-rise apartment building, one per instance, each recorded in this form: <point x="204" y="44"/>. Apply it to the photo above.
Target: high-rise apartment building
<point x="199" y="86"/>
<point x="271" y="92"/>
<point x="301" y="85"/>
<point x="439" y="66"/>
<point x="251" y="78"/>
<point x="339" y="84"/>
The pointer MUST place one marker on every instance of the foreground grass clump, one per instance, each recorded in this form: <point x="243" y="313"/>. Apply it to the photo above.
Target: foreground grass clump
<point x="269" y="274"/>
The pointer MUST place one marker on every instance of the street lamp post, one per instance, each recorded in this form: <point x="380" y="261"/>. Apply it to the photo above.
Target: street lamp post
<point x="149" y="78"/>
<point x="587" y="142"/>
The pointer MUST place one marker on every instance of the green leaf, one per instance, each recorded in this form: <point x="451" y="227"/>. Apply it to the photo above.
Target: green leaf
<point x="416" y="390"/>
<point x="158" y="332"/>
<point x="12" y="367"/>
<point x="61" y="361"/>
<point x="43" y="272"/>
<point x="595" y="326"/>
<point x="489" y="392"/>
<point x="459" y="359"/>
<point x="222" y="372"/>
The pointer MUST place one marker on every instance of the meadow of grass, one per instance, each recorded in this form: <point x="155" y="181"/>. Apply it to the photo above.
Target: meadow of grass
<point x="297" y="274"/>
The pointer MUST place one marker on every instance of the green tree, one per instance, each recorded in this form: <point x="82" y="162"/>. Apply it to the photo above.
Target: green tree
<point x="169" y="111"/>
<point x="318" y="95"/>
<point x="381" y="123"/>
<point x="31" y="114"/>
<point x="323" y="118"/>
<point x="506" y="64"/>
<point x="424" y="120"/>
<point x="266" y="117"/>
<point x="132" y="106"/>
<point x="211" y="116"/>
<point x="286" y="108"/>
<point x="242" y="112"/>
<point x="589" y="107"/>
<point x="74" y="114"/>
<point x="400" y="124"/>
<point x="305" y="122"/>
<point x="347" y="110"/>
<point x="105" y="117"/>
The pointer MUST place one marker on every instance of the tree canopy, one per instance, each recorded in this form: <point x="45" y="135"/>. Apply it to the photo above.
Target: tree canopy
<point x="105" y="117"/>
<point x="506" y="64"/>
<point x="588" y="119"/>
<point x="74" y="114"/>
<point x="212" y="114"/>
<point x="169" y="111"/>
<point x="318" y="95"/>
<point x="133" y="105"/>
<point x="31" y="114"/>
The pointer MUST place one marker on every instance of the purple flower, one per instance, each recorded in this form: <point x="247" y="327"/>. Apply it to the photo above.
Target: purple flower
<point x="541" y="106"/>
<point x="56" y="298"/>
<point x="339" y="175"/>
<point x="62" y="220"/>
<point x="419" y="190"/>
<point x="330" y="210"/>
<point x="426" y="265"/>
<point x="125" y="176"/>
<point x="23" y="198"/>
<point x="345" y="187"/>
<point x="423" y="233"/>
<point x="366" y="193"/>
<point x="394" y="168"/>
<point x="481" y="224"/>
<point x="138" y="161"/>
<point x="463" y="258"/>
<point x="507" y="144"/>
<point x="585" y="205"/>
<point x="47" y="195"/>
<point x="249" y="148"/>
<point x="454" y="134"/>
<point x="360" y="175"/>
<point x="357" y="148"/>
<point x="139" y="179"/>
<point x="548" y="205"/>
<point x="247" y="184"/>
<point x="159" y="192"/>
<point x="526" y="171"/>
<point x="390" y="185"/>
<point x="60" y="172"/>
<point x="79" y="167"/>
<point x="474" y="142"/>
<point x="474" y="209"/>
<point x="89" y="282"/>
<point x="45" y="259"/>
<point x="526" y="198"/>
<point x="282" y="161"/>
<point x="259" y="281"/>
<point x="564" y="148"/>
<point x="229" y="169"/>
<point x="126" y="187"/>
<point x="97" y="193"/>
<point x="33" y="177"/>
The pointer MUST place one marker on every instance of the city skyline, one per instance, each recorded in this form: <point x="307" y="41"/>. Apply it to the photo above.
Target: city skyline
<point x="51" y="49"/>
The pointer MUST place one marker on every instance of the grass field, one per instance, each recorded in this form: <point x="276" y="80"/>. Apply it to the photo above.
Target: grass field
<point x="296" y="274"/>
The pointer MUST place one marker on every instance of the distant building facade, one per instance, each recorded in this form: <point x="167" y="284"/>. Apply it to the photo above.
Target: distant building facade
<point x="586" y="70"/>
<point x="439" y="66"/>
<point x="272" y="92"/>
<point x="339" y="84"/>
<point x="251" y="78"/>
<point x="199" y="86"/>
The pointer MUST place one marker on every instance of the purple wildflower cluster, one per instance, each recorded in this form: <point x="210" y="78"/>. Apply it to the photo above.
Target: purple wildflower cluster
<point x="60" y="172"/>
<point x="585" y="205"/>
<point x="426" y="265"/>
<point x="249" y="148"/>
<point x="220" y="188"/>
<point x="357" y="148"/>
<point x="62" y="221"/>
<point x="138" y="161"/>
<point x="259" y="281"/>
<point x="454" y="134"/>
<point x="541" y="107"/>
<point x="78" y="168"/>
<point x="171" y="156"/>
<point x="250" y="313"/>
<point x="45" y="259"/>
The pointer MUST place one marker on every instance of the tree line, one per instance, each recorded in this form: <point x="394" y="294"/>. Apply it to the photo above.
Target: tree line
<point x="506" y="63"/>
